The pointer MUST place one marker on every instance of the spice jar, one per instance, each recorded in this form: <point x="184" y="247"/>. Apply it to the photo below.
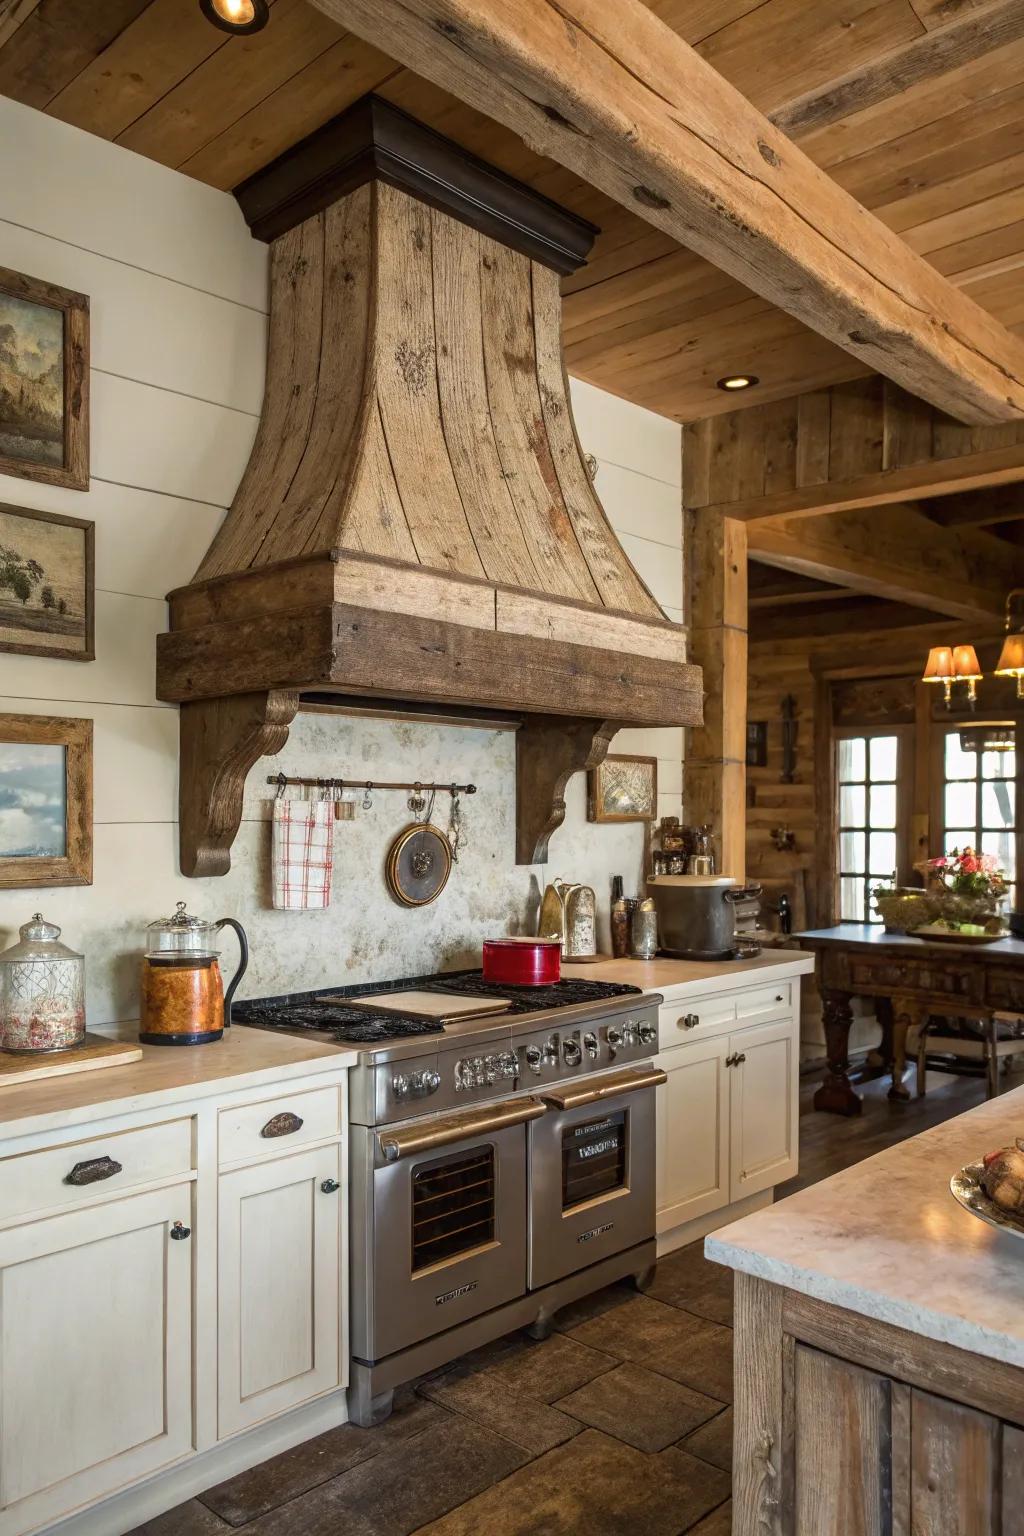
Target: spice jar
<point x="42" y="991"/>
<point x="645" y="930"/>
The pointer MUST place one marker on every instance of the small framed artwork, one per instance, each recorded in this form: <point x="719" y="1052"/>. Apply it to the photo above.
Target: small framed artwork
<point x="46" y="585"/>
<point x="45" y="801"/>
<point x="623" y="788"/>
<point x="44" y="381"/>
<point x="757" y="743"/>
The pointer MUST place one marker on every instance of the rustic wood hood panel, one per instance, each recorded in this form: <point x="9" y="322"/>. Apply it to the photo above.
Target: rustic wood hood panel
<point x="416" y="520"/>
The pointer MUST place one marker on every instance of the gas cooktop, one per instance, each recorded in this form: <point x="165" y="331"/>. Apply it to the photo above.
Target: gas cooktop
<point x="326" y="1011"/>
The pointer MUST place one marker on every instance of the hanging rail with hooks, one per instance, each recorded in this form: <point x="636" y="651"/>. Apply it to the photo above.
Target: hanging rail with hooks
<point x="281" y="781"/>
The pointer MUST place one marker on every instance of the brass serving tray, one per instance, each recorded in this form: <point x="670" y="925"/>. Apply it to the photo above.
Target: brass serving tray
<point x="966" y="1190"/>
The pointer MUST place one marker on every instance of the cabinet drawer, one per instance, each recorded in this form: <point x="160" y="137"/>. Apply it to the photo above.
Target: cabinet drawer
<point x="777" y="997"/>
<point x="276" y="1125"/>
<point x="37" y="1181"/>
<point x="680" y="1021"/>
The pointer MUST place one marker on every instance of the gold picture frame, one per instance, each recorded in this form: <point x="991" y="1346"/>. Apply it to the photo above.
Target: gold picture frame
<point x="45" y="801"/>
<point x="44" y="381"/>
<point x="623" y="788"/>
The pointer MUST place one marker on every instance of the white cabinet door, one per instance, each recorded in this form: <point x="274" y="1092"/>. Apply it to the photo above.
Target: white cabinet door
<point x="279" y="1286"/>
<point x="95" y="1354"/>
<point x="693" y="1132"/>
<point x="763" y="1107"/>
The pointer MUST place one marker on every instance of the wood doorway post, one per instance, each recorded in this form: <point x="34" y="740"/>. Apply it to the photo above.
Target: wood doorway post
<point x="714" y="770"/>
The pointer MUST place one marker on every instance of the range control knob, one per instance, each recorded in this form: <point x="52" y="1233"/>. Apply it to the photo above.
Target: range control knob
<point x="400" y="1086"/>
<point x="533" y="1057"/>
<point x="648" y="1033"/>
<point x="614" y="1037"/>
<point x="572" y="1053"/>
<point x="590" y="1043"/>
<point x="551" y="1051"/>
<point x="422" y="1083"/>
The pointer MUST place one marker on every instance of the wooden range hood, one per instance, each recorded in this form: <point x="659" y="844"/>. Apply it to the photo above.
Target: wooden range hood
<point x="416" y="526"/>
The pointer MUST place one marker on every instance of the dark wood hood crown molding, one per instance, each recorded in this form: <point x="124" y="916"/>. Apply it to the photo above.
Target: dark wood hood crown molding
<point x="375" y="141"/>
<point x="416" y="520"/>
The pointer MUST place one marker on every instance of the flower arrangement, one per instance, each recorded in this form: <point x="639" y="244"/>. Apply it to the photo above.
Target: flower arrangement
<point x="965" y="872"/>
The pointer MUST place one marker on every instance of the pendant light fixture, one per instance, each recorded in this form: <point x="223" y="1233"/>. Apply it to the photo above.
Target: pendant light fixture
<point x="953" y="665"/>
<point x="239" y="17"/>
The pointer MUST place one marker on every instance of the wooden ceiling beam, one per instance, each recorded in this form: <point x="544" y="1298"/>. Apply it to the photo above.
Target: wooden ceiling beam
<point x="897" y="553"/>
<point x="862" y="444"/>
<point x="851" y="616"/>
<point x="977" y="509"/>
<point x="606" y="89"/>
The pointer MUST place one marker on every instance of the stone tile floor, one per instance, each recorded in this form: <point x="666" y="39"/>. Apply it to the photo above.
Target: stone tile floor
<point x="619" y="1424"/>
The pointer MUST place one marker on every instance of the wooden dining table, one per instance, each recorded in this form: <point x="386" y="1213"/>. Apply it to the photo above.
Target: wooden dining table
<point x="909" y="979"/>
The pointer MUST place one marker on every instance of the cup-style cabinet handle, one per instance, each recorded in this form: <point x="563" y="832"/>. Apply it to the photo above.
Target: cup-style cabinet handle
<point x="91" y="1172"/>
<point x="284" y="1124"/>
<point x="330" y="1186"/>
<point x="179" y="1232"/>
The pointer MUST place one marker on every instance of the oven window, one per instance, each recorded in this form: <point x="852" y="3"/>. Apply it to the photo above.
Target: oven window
<point x="593" y="1159"/>
<point x="452" y="1206"/>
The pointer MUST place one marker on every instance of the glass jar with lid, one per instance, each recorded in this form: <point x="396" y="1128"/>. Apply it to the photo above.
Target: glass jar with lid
<point x="42" y="991"/>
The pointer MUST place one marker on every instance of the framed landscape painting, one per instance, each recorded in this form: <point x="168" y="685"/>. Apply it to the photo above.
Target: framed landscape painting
<point x="45" y="801"/>
<point x="623" y="788"/>
<point x="44" y="381"/>
<point x="46" y="585"/>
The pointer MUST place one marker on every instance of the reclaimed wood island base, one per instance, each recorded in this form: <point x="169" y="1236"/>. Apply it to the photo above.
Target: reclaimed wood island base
<point x="880" y="1350"/>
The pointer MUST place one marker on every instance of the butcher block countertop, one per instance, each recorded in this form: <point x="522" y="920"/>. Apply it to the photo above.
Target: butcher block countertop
<point x="169" y="1074"/>
<point x="886" y="1239"/>
<point x="678" y="979"/>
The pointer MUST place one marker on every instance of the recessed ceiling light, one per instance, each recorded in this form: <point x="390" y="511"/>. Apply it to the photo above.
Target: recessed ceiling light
<point x="237" y="16"/>
<point x="737" y="381"/>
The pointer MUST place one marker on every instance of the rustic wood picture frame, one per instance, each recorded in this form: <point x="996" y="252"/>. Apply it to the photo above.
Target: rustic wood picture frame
<point x="757" y="743"/>
<point x="75" y="866"/>
<point x="597" y="784"/>
<point x="63" y="653"/>
<point x="73" y="472"/>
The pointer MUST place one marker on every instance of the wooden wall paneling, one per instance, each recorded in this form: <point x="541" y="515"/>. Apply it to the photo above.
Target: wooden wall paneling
<point x="826" y="896"/>
<point x="1013" y="1481"/>
<point x="609" y="64"/>
<point x="955" y="1468"/>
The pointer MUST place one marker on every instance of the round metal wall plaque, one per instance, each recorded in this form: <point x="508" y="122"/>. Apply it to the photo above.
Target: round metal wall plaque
<point x="419" y="863"/>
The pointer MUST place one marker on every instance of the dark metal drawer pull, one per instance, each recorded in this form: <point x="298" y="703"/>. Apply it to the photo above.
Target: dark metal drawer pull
<point x="284" y="1124"/>
<point x="179" y="1232"/>
<point x="91" y="1172"/>
<point x="330" y="1186"/>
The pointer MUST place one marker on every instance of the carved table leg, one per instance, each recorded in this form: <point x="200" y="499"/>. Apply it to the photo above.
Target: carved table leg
<point x="905" y="1012"/>
<point x="879" y="1059"/>
<point x="835" y="1095"/>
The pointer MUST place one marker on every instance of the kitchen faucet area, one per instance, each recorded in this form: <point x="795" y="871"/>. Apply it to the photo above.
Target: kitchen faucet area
<point x="511" y="826"/>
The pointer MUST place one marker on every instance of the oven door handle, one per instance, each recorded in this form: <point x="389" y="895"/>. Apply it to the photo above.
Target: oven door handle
<point x="445" y="1129"/>
<point x="593" y="1090"/>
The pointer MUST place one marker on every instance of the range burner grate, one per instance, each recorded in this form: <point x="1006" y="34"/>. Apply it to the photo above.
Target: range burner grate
<point x="349" y="1025"/>
<point x="560" y="994"/>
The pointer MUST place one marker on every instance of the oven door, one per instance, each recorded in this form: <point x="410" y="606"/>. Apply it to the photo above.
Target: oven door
<point x="447" y="1223"/>
<point x="591" y="1172"/>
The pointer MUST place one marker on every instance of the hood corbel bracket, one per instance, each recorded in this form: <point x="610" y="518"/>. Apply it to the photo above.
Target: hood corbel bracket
<point x="549" y="750"/>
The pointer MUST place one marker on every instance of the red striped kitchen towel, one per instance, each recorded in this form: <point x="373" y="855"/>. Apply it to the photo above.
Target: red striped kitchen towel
<point x="302" y="855"/>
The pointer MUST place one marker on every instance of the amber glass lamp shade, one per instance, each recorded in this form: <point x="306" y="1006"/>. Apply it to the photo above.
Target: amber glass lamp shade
<point x="939" y="666"/>
<point x="1011" y="660"/>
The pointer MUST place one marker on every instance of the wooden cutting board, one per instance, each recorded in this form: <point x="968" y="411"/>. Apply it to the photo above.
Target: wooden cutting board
<point x="95" y="1051"/>
<point x="432" y="1005"/>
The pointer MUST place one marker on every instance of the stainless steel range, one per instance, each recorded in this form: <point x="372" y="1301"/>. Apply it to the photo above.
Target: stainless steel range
<point x="501" y="1166"/>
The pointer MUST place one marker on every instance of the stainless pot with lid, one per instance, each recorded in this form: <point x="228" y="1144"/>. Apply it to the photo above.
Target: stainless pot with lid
<point x="697" y="914"/>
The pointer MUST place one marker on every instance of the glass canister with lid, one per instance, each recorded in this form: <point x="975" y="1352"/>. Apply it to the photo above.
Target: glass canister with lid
<point x="42" y="991"/>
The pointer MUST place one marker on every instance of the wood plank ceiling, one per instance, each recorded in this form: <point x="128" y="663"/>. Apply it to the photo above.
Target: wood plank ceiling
<point x="916" y="107"/>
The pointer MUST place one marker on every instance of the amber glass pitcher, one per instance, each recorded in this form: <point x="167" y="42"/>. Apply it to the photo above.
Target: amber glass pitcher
<point x="183" y="997"/>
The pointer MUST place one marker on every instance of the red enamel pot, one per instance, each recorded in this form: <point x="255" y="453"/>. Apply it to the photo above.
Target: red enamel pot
<point x="522" y="962"/>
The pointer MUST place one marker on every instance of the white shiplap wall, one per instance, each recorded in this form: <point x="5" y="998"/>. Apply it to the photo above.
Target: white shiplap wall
<point x="178" y="295"/>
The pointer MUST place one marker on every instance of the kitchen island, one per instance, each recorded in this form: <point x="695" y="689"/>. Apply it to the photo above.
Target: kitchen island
<point x="880" y="1349"/>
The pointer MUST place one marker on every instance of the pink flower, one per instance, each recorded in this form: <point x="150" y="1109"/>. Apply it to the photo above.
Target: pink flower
<point x="969" y="863"/>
